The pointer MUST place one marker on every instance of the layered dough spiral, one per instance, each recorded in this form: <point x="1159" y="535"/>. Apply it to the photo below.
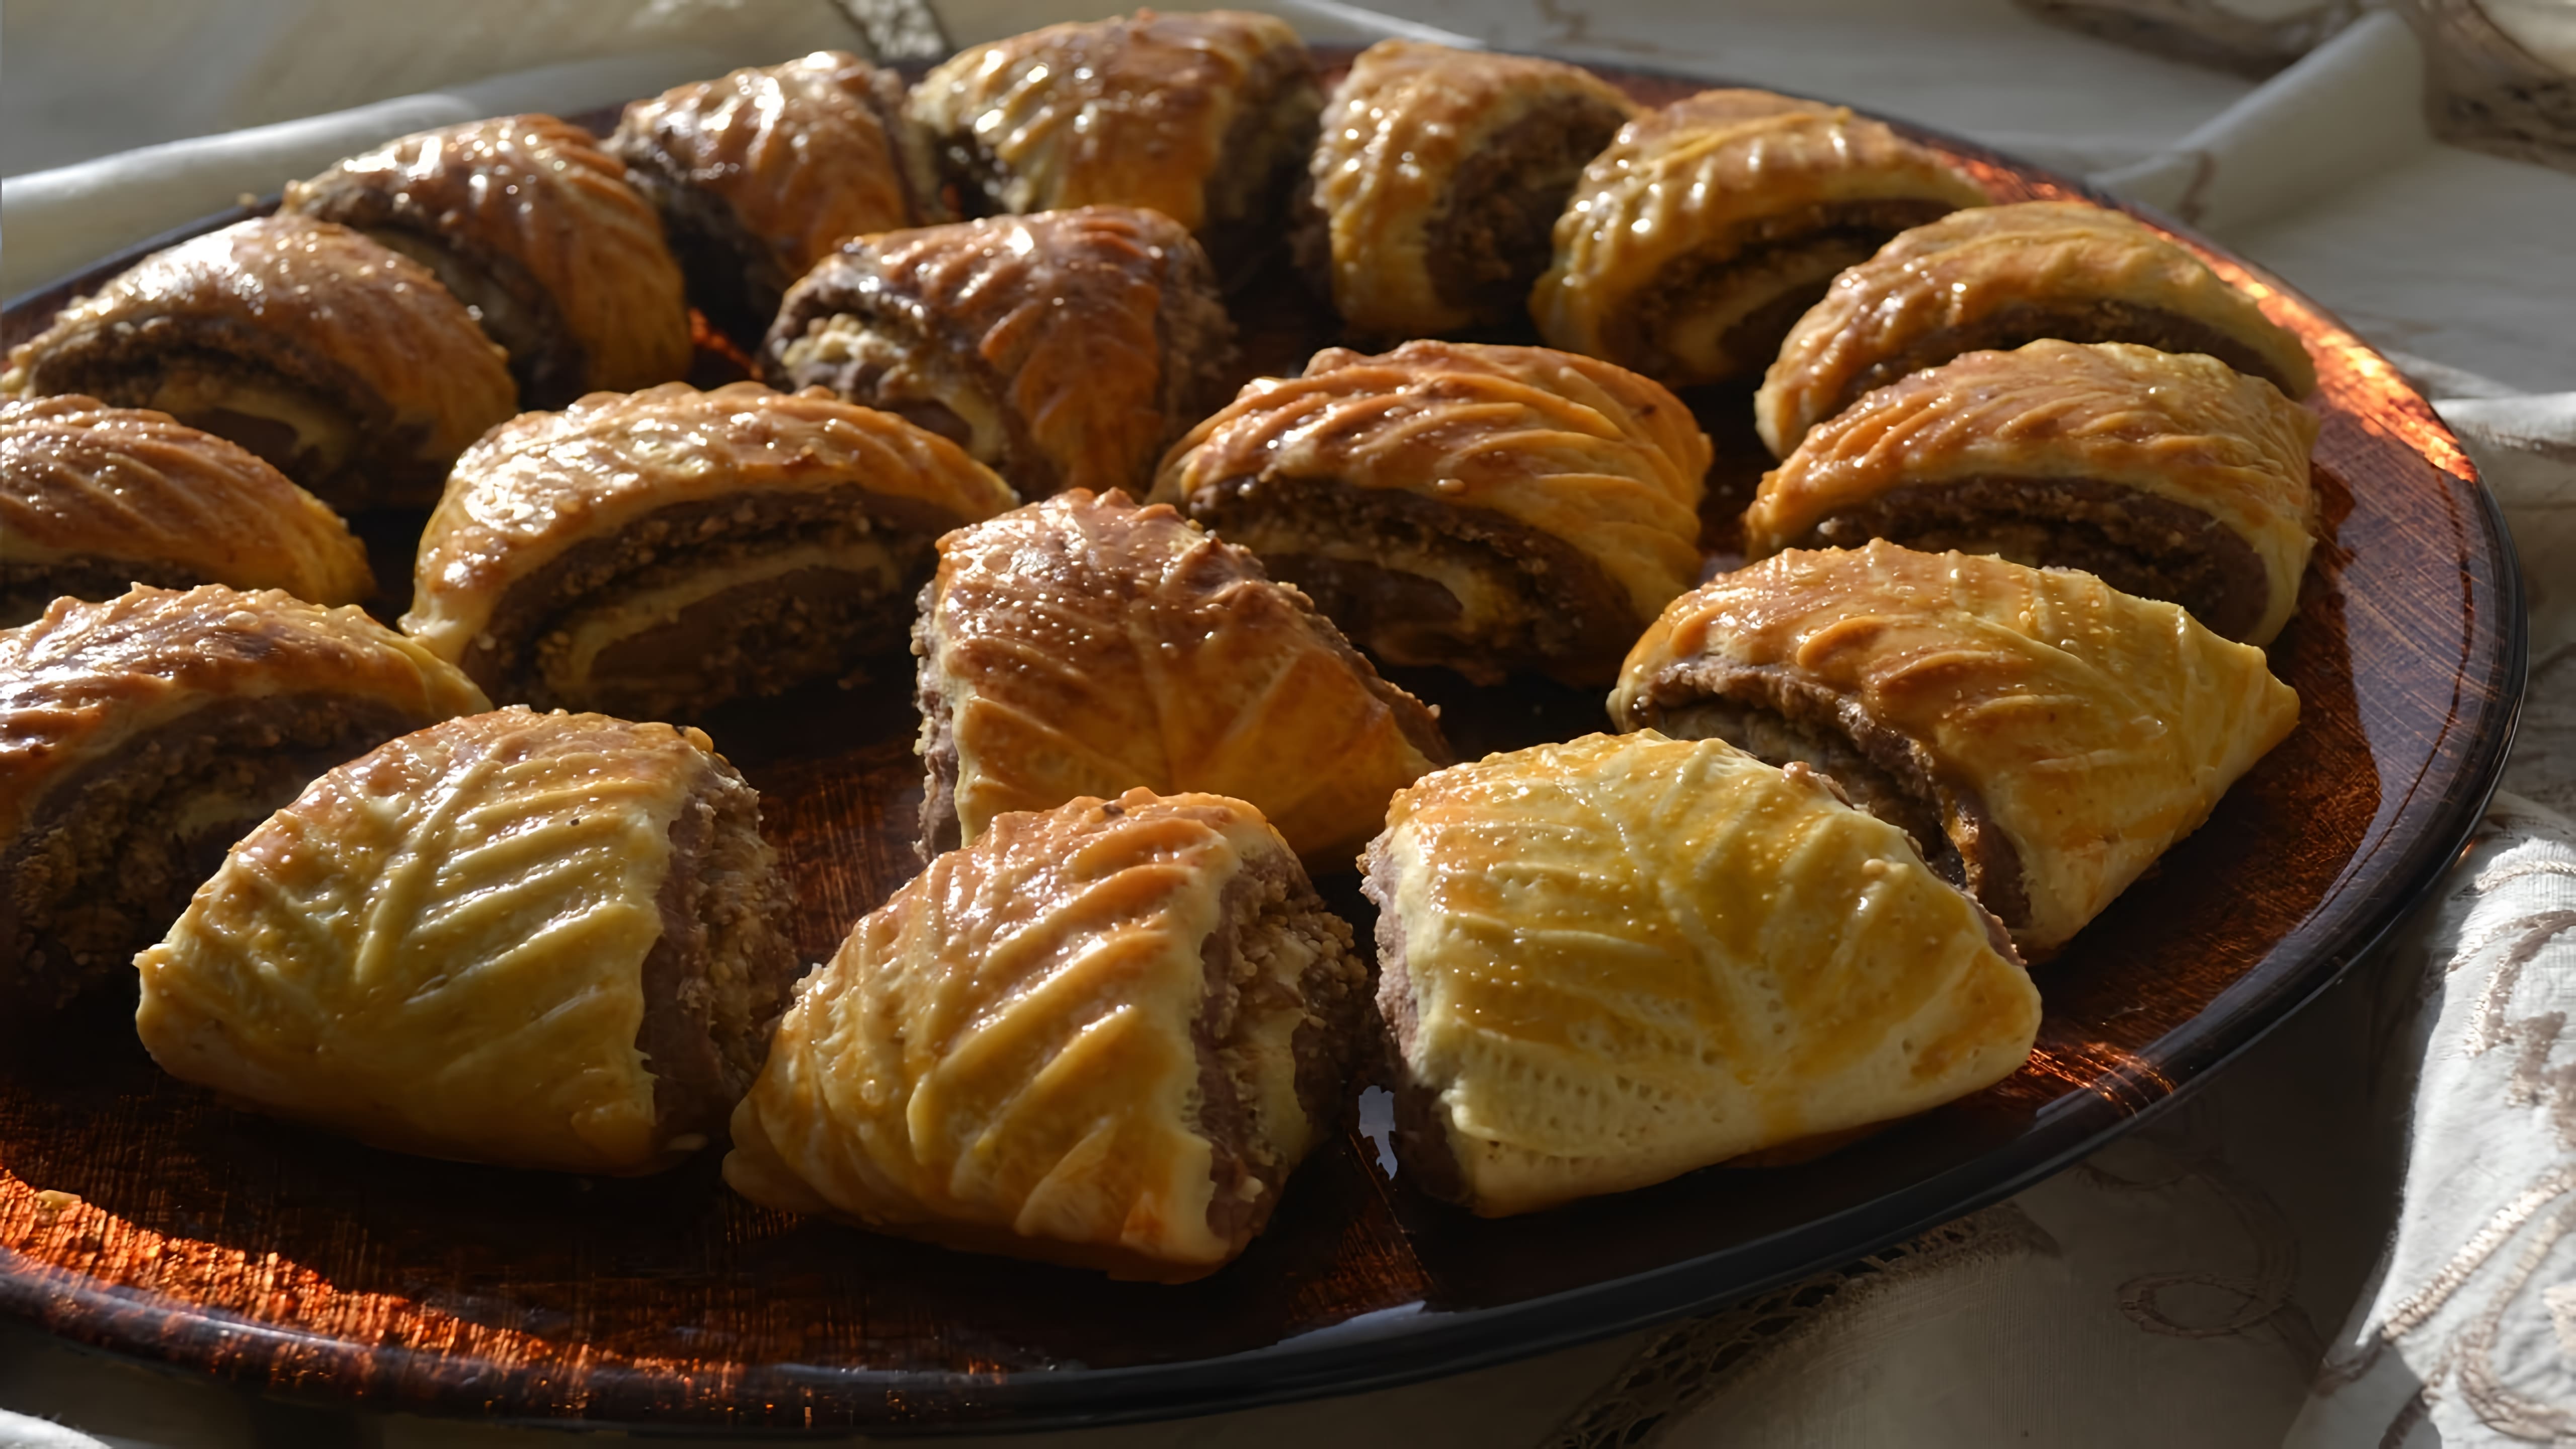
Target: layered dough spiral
<point x="347" y="365"/>
<point x="1706" y="228"/>
<point x="2042" y="736"/>
<point x="1102" y="1035"/>
<point x="654" y="554"/>
<point x="529" y="223"/>
<point x="95" y="499"/>
<point x="1481" y="507"/>
<point x="1082" y="646"/>
<point x="1206" y="117"/>
<point x="2169" y="475"/>
<point x="549" y="941"/>
<point x="1439" y="178"/>
<point x="141" y="736"/>
<point x="1063" y="350"/>
<point x="1996" y="277"/>
<point x="1609" y="962"/>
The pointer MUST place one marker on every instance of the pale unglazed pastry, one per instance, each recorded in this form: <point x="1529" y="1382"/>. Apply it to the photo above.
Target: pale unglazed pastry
<point x="2170" y="475"/>
<point x="1708" y="227"/>
<point x="1063" y="350"/>
<point x="2042" y="736"/>
<point x="1996" y="277"/>
<point x="532" y="226"/>
<point x="347" y="365"/>
<point x="761" y="172"/>
<point x="1103" y="1035"/>
<point x="95" y="499"/>
<point x="1206" y="117"/>
<point x="1439" y="178"/>
<point x="1081" y="646"/>
<point x="1606" y="963"/>
<point x="654" y="554"/>
<point x="1480" y="507"/>
<point x="534" y="940"/>
<point x="141" y="736"/>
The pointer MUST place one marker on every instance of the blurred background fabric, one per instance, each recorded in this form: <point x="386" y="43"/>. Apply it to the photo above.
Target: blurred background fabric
<point x="2363" y="1232"/>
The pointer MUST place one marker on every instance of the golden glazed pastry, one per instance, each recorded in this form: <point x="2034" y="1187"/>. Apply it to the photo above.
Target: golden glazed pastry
<point x="1484" y="508"/>
<point x="532" y="226"/>
<point x="347" y="365"/>
<point x="95" y="499"/>
<point x="2169" y="475"/>
<point x="1103" y="1035"/>
<point x="1707" y="227"/>
<point x="141" y="736"/>
<point x="760" y="173"/>
<point x="1063" y="350"/>
<point x="1440" y="175"/>
<point x="2042" y="736"/>
<point x="550" y="941"/>
<point x="1206" y="117"/>
<point x="654" y="554"/>
<point x="1081" y="646"/>
<point x="1609" y="962"/>
<point x="1999" y="276"/>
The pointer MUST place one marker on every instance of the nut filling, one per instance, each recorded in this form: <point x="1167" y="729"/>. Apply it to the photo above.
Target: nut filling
<point x="111" y="859"/>
<point x="1491" y="238"/>
<point x="700" y="603"/>
<point x="1285" y="992"/>
<point x="2134" y="541"/>
<point x="27" y="587"/>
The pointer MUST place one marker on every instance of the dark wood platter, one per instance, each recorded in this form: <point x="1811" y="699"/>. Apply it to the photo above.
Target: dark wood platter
<point x="139" y="1216"/>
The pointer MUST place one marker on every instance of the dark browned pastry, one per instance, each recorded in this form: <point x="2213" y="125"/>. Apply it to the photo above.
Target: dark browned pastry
<point x="533" y="227"/>
<point x="1082" y="646"/>
<point x="95" y="499"/>
<point x="1206" y="117"/>
<point x="760" y="173"/>
<point x="538" y="940"/>
<point x="142" y="736"/>
<point x="1439" y="178"/>
<point x="1708" y="227"/>
<point x="1135" y="1018"/>
<point x="1063" y="350"/>
<point x="345" y="364"/>
<point x="1484" y="508"/>
<point x="654" y="554"/>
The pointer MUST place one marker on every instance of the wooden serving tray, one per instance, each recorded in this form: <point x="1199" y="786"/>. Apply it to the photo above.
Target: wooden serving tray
<point x="139" y="1216"/>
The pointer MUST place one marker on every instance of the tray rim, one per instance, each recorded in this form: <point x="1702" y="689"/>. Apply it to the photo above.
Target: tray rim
<point x="1346" y="1359"/>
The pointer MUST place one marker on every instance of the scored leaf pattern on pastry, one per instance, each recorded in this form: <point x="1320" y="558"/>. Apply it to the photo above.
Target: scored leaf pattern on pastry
<point x="438" y="947"/>
<point x="1629" y="956"/>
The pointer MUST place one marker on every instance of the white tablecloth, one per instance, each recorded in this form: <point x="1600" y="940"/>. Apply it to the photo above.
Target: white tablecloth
<point x="2236" y="1273"/>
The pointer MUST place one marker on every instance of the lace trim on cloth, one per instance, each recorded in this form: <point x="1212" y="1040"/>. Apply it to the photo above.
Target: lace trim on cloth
<point x="1695" y="1361"/>
<point x="2468" y="1334"/>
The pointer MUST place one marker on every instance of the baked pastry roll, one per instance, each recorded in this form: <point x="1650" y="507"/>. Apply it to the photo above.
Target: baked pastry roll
<point x="1707" y="227"/>
<point x="1999" y="276"/>
<point x="760" y="173"/>
<point x="1480" y="507"/>
<point x="1081" y="646"/>
<point x="1207" y="118"/>
<point x="95" y="499"/>
<point x="655" y="554"/>
<point x="534" y="228"/>
<point x="551" y="941"/>
<point x="1063" y="350"/>
<point x="141" y="736"/>
<point x="1103" y="1035"/>
<point x="2042" y="736"/>
<point x="1609" y="962"/>
<point x="345" y="364"/>
<point x="2169" y="475"/>
<point x="1439" y="177"/>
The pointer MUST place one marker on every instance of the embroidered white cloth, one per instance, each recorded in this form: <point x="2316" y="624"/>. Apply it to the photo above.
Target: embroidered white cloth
<point x="2237" y="1273"/>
